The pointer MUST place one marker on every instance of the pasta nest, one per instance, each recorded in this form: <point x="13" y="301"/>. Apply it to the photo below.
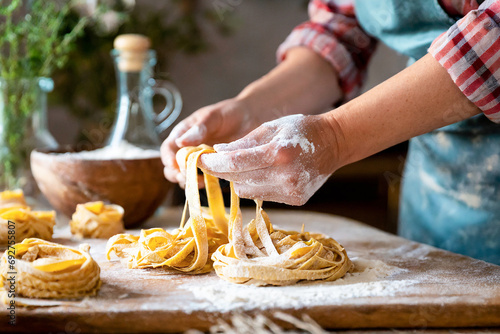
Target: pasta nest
<point x="24" y="223"/>
<point x="188" y="248"/>
<point x="12" y="198"/>
<point x="42" y="269"/>
<point x="97" y="220"/>
<point x="178" y="250"/>
<point x="256" y="254"/>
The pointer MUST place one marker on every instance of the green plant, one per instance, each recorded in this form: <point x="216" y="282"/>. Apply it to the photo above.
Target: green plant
<point x="31" y="40"/>
<point x="34" y="41"/>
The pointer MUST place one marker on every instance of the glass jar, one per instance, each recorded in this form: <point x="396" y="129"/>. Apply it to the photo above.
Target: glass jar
<point x="23" y="127"/>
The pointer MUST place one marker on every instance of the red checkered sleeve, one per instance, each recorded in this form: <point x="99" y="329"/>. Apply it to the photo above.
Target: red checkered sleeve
<point x="470" y="52"/>
<point x="334" y="33"/>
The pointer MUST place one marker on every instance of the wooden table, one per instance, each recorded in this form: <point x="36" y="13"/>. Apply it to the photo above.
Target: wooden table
<point x="425" y="288"/>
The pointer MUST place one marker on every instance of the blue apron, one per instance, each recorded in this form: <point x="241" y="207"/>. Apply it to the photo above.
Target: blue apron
<point x="451" y="185"/>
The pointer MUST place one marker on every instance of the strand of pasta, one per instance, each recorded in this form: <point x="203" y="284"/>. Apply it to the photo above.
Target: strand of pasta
<point x="291" y="256"/>
<point x="252" y="254"/>
<point x="189" y="248"/>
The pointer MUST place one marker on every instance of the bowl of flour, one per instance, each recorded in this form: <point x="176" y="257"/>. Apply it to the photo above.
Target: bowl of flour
<point x="124" y="174"/>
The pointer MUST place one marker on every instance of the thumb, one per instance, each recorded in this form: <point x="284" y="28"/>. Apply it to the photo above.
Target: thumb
<point x="194" y="136"/>
<point x="208" y="121"/>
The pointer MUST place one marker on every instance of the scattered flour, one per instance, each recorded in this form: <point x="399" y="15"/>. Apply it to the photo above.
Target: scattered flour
<point x="194" y="134"/>
<point x="492" y="162"/>
<point x="123" y="150"/>
<point x="443" y="140"/>
<point x="295" y="140"/>
<point x="289" y="133"/>
<point x="311" y="186"/>
<point x="367" y="280"/>
<point x="471" y="199"/>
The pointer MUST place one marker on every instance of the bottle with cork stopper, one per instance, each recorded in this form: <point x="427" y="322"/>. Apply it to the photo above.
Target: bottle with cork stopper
<point x="136" y="121"/>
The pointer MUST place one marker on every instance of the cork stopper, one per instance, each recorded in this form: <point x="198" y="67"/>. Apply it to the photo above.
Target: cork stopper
<point x="133" y="51"/>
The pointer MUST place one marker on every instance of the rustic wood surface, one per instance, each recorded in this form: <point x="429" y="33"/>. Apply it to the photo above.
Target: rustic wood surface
<point x="435" y="289"/>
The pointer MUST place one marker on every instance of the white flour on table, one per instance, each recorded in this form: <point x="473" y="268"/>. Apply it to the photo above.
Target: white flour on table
<point x="369" y="279"/>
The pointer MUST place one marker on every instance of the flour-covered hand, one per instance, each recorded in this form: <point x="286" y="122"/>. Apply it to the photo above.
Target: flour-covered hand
<point x="224" y="121"/>
<point x="285" y="160"/>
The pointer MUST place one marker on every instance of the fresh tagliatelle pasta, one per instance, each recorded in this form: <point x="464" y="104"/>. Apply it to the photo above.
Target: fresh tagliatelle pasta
<point x="254" y="254"/>
<point x="41" y="269"/>
<point x="260" y="255"/>
<point x="188" y="248"/>
<point x="97" y="220"/>
<point x="12" y="198"/>
<point x="18" y="221"/>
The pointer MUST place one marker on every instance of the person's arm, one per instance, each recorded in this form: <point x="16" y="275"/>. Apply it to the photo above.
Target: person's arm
<point x="415" y="101"/>
<point x="459" y="78"/>
<point x="303" y="81"/>
<point x="289" y="159"/>
<point x="321" y="62"/>
<point x="470" y="52"/>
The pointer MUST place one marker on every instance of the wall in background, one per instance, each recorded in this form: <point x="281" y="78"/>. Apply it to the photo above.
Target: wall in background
<point x="234" y="61"/>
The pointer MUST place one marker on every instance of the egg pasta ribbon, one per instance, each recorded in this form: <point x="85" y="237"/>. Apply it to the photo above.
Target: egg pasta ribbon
<point x="188" y="248"/>
<point x="254" y="254"/>
<point x="43" y="269"/>
<point x="18" y="221"/>
<point x="97" y="220"/>
<point x="258" y="254"/>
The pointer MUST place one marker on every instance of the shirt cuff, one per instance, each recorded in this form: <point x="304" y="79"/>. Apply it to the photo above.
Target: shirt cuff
<point x="470" y="52"/>
<point x="316" y="38"/>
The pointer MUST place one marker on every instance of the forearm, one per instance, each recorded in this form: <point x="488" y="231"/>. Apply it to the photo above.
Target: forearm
<point x="419" y="99"/>
<point x="303" y="83"/>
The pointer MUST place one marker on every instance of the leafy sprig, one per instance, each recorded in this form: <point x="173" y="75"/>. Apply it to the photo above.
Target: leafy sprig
<point x="34" y="41"/>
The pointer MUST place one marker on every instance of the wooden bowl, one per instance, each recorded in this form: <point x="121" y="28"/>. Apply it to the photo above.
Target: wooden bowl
<point x="138" y="185"/>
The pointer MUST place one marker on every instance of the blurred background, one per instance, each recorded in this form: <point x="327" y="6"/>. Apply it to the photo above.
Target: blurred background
<point x="210" y="50"/>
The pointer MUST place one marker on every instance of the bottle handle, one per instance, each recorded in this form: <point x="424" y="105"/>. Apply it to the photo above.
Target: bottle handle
<point x="173" y="106"/>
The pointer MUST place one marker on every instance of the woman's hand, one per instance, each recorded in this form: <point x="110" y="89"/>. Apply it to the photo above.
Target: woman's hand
<point x="221" y="122"/>
<point x="304" y="82"/>
<point x="285" y="160"/>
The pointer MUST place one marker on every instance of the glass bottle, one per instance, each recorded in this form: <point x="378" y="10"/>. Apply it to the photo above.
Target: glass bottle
<point x="136" y="121"/>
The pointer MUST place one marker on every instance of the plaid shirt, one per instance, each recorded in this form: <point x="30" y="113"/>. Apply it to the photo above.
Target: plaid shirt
<point x="469" y="50"/>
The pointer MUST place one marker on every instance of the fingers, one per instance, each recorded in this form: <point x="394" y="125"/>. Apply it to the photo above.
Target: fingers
<point x="169" y="147"/>
<point x="249" y="141"/>
<point x="168" y="158"/>
<point x="192" y="131"/>
<point x="270" y="193"/>
<point x="239" y="161"/>
<point x="178" y="175"/>
<point x="204" y="123"/>
<point x="193" y="136"/>
<point x="243" y="143"/>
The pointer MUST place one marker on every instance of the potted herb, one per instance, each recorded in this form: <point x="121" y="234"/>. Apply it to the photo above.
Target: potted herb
<point x="34" y="41"/>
